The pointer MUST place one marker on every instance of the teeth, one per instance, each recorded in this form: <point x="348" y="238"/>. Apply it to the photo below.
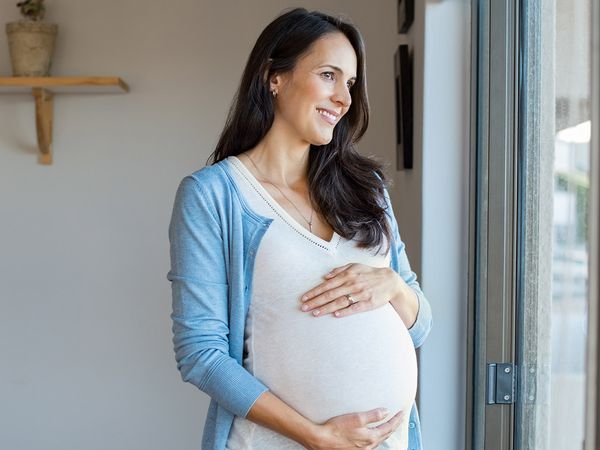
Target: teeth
<point x="326" y="114"/>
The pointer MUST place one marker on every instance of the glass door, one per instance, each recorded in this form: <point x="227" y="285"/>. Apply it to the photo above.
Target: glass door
<point x="533" y="312"/>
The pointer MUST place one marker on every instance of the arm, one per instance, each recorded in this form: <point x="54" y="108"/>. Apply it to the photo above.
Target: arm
<point x="405" y="301"/>
<point x="422" y="325"/>
<point x="200" y="306"/>
<point x="345" y="431"/>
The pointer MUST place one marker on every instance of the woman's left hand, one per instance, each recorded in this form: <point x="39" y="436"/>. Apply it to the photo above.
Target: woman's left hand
<point x="369" y="287"/>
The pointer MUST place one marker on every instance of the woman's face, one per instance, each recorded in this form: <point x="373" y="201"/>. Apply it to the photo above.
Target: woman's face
<point x="312" y="98"/>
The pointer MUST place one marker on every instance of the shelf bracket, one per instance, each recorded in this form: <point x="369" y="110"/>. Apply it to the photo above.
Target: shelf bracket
<point x="44" y="106"/>
<point x="43" y="90"/>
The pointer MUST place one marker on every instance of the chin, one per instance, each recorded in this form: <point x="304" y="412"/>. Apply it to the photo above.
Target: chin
<point x="322" y="140"/>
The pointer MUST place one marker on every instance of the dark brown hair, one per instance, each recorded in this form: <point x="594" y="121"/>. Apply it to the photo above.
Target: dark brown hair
<point x="345" y="187"/>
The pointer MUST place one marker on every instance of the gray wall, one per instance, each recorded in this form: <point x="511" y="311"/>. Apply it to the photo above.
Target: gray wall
<point x="85" y="340"/>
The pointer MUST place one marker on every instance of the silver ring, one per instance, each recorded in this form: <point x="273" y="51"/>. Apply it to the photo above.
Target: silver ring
<point x="352" y="300"/>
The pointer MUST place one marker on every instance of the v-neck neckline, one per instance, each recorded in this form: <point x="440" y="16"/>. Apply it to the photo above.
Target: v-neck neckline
<point x="281" y="211"/>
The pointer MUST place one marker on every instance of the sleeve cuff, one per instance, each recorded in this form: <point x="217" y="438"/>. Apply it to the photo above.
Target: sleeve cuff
<point x="420" y="329"/>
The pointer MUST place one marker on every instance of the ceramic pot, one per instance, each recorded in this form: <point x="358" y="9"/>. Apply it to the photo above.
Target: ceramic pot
<point x="31" y="45"/>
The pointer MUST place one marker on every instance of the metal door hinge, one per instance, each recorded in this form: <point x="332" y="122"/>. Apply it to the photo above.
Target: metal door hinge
<point x="501" y="383"/>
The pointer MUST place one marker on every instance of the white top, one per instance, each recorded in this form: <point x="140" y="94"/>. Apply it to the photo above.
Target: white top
<point x="320" y="366"/>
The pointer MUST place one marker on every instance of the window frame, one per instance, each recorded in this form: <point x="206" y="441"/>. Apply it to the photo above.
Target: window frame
<point x="493" y="214"/>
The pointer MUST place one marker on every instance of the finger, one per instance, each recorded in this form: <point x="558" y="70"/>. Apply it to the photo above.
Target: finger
<point x="374" y="415"/>
<point x="391" y="425"/>
<point x="320" y="289"/>
<point x="335" y="297"/>
<point x="337" y="270"/>
<point x="357" y="307"/>
<point x="336" y="305"/>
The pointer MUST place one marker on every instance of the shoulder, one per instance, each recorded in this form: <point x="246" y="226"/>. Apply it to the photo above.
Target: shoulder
<point x="213" y="177"/>
<point x="211" y="182"/>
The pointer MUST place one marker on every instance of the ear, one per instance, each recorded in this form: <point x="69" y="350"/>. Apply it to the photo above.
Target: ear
<point x="276" y="82"/>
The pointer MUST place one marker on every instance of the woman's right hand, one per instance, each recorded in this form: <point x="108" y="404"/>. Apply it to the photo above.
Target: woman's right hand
<point x="351" y="431"/>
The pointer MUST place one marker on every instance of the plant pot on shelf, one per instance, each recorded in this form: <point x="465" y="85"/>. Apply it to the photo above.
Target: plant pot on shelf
<point x="31" y="45"/>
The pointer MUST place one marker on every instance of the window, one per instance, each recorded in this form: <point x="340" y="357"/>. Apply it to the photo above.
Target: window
<point x="533" y="296"/>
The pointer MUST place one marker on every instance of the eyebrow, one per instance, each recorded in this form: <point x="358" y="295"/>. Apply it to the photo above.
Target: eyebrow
<point x="337" y="69"/>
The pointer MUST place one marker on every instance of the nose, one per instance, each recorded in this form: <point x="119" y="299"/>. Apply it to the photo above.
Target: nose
<point x="342" y="95"/>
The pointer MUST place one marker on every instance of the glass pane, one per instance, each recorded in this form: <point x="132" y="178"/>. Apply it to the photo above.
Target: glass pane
<point x="554" y="186"/>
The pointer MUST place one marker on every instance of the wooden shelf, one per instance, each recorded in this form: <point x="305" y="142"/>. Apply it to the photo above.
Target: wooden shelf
<point x="78" y="85"/>
<point x="43" y="90"/>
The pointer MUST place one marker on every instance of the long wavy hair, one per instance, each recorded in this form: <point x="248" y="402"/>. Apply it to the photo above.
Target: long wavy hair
<point x="346" y="188"/>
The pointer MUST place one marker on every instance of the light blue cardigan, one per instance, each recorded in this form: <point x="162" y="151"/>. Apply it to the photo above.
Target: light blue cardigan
<point x="214" y="236"/>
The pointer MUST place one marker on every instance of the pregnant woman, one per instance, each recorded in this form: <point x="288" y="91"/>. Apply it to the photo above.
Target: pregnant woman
<point x="294" y="305"/>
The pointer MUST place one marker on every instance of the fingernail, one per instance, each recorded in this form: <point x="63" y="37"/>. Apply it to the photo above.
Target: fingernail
<point x="316" y="313"/>
<point x="336" y="314"/>
<point x="304" y="307"/>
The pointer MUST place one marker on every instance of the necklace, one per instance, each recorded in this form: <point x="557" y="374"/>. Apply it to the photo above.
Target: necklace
<point x="309" y="221"/>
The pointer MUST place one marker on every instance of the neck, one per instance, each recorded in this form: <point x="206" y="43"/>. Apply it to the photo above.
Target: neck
<point x="281" y="161"/>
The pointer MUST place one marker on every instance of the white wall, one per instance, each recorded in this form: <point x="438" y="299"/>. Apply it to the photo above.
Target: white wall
<point x="85" y="339"/>
<point x="445" y="219"/>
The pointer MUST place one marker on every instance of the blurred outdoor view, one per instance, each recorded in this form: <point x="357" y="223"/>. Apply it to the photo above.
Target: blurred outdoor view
<point x="570" y="218"/>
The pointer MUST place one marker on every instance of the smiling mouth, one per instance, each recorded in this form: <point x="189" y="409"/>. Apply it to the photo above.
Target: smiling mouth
<point x="327" y="116"/>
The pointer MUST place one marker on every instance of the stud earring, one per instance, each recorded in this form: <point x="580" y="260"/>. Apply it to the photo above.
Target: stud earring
<point x="274" y="92"/>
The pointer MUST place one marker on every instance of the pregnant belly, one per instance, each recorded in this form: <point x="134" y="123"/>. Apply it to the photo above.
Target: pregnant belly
<point x="327" y="366"/>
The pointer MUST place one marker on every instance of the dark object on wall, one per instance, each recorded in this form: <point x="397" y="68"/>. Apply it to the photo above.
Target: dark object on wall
<point x="406" y="15"/>
<point x="404" y="108"/>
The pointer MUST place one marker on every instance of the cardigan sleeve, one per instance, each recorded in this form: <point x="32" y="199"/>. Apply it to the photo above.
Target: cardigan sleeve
<point x="422" y="326"/>
<point x="199" y="316"/>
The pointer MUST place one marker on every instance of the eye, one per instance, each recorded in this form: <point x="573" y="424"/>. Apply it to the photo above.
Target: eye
<point x="329" y="73"/>
<point x="331" y="76"/>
